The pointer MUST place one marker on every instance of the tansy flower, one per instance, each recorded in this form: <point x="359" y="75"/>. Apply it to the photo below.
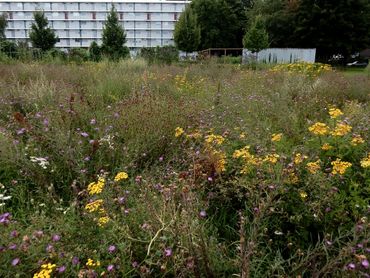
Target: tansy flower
<point x="271" y="158"/>
<point x="242" y="135"/>
<point x="365" y="162"/>
<point x="276" y="137"/>
<point x="303" y="195"/>
<point x="96" y="187"/>
<point x="103" y="220"/>
<point x="313" y="167"/>
<point x="94" y="206"/>
<point x="326" y="147"/>
<point x="179" y="131"/>
<point x="357" y="140"/>
<point x="298" y="158"/>
<point x="335" y="113"/>
<point x="45" y="272"/>
<point x="91" y="263"/>
<point x="220" y="161"/>
<point x="121" y="176"/>
<point x="340" y="167"/>
<point x="341" y="129"/>
<point x="319" y="129"/>
<point x="215" y="139"/>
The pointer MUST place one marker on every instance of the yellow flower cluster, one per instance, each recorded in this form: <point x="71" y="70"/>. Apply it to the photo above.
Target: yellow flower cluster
<point x="365" y="162"/>
<point x="326" y="147"/>
<point x="313" y="167"/>
<point x="96" y="187"/>
<point x="195" y="135"/>
<point x="220" y="161"/>
<point x="298" y="158"/>
<point x="341" y="129"/>
<point x="357" y="140"/>
<point x="335" y="113"/>
<point x="179" y="131"/>
<point x="91" y="263"/>
<point x="103" y="220"/>
<point x="303" y="195"/>
<point x="340" y="167"/>
<point x="121" y="176"/>
<point x="215" y="139"/>
<point x="94" y="206"/>
<point x="310" y="69"/>
<point x="249" y="159"/>
<point x="276" y="137"/>
<point x="45" y="272"/>
<point x="271" y="158"/>
<point x="319" y="129"/>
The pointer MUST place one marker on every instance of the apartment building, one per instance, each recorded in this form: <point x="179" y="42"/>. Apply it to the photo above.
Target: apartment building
<point x="148" y="23"/>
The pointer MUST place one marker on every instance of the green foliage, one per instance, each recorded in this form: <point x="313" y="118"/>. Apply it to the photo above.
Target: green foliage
<point x="256" y="37"/>
<point x="3" y="25"/>
<point x="309" y="24"/>
<point x="42" y="36"/>
<point x="78" y="55"/>
<point x="95" y="52"/>
<point x="9" y="48"/>
<point x="221" y="22"/>
<point x="161" y="55"/>
<point x="187" y="31"/>
<point x="194" y="203"/>
<point x="114" y="37"/>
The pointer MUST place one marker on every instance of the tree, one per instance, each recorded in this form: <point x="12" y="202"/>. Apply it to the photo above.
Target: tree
<point x="3" y="25"/>
<point x="332" y="27"/>
<point x="187" y="31"/>
<point x="41" y="35"/>
<point x="114" y="37"/>
<point x="256" y="38"/>
<point x="95" y="52"/>
<point x="220" y="22"/>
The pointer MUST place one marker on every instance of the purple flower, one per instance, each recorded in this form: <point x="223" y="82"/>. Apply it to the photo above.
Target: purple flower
<point x="110" y="267"/>
<point x="12" y="246"/>
<point x="21" y="131"/>
<point x="168" y="252"/>
<point x="16" y="261"/>
<point x="135" y="264"/>
<point x="365" y="263"/>
<point x="92" y="121"/>
<point x="46" y="122"/>
<point x="75" y="260"/>
<point x="38" y="234"/>
<point x="2" y="248"/>
<point x="5" y="218"/>
<point x="210" y="179"/>
<point x="84" y="134"/>
<point x="121" y="200"/>
<point x="203" y="213"/>
<point x="161" y="159"/>
<point x="351" y="266"/>
<point x="112" y="249"/>
<point x="87" y="158"/>
<point x="61" y="269"/>
<point x="49" y="248"/>
<point x="55" y="238"/>
<point x="14" y="233"/>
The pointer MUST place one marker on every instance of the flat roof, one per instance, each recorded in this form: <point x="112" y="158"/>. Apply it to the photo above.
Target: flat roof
<point x="97" y="1"/>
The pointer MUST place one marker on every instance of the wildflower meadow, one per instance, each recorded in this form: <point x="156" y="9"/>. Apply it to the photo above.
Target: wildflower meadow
<point x="124" y="169"/>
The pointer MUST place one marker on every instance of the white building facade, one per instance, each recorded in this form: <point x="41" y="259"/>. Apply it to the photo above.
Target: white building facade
<point x="147" y="23"/>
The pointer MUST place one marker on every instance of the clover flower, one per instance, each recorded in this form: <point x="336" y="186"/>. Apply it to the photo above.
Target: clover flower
<point x="91" y="263"/>
<point x="45" y="272"/>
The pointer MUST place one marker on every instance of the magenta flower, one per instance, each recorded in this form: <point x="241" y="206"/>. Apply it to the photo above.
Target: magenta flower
<point x="12" y="246"/>
<point x="84" y="134"/>
<point x="365" y="263"/>
<point x="168" y="252"/>
<point x="55" y="238"/>
<point x="61" y="269"/>
<point x="112" y="249"/>
<point x="16" y="261"/>
<point x="92" y="121"/>
<point x="5" y="218"/>
<point x="49" y="248"/>
<point x="14" y="233"/>
<point x="110" y="267"/>
<point x="203" y="213"/>
<point x="75" y="260"/>
<point x="351" y="266"/>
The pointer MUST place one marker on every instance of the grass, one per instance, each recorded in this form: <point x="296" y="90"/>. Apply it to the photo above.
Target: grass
<point x="211" y="191"/>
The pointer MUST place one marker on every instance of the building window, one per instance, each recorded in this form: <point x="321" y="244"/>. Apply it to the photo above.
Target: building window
<point x="65" y="15"/>
<point x="94" y="15"/>
<point x="10" y="14"/>
<point x="121" y="16"/>
<point x="148" y="16"/>
<point x="77" y="40"/>
<point x="175" y="16"/>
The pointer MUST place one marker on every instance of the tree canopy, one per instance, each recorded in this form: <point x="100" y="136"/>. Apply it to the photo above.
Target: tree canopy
<point x="187" y="31"/>
<point x="114" y="37"/>
<point x="3" y="25"/>
<point x="41" y="35"/>
<point x="256" y="37"/>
